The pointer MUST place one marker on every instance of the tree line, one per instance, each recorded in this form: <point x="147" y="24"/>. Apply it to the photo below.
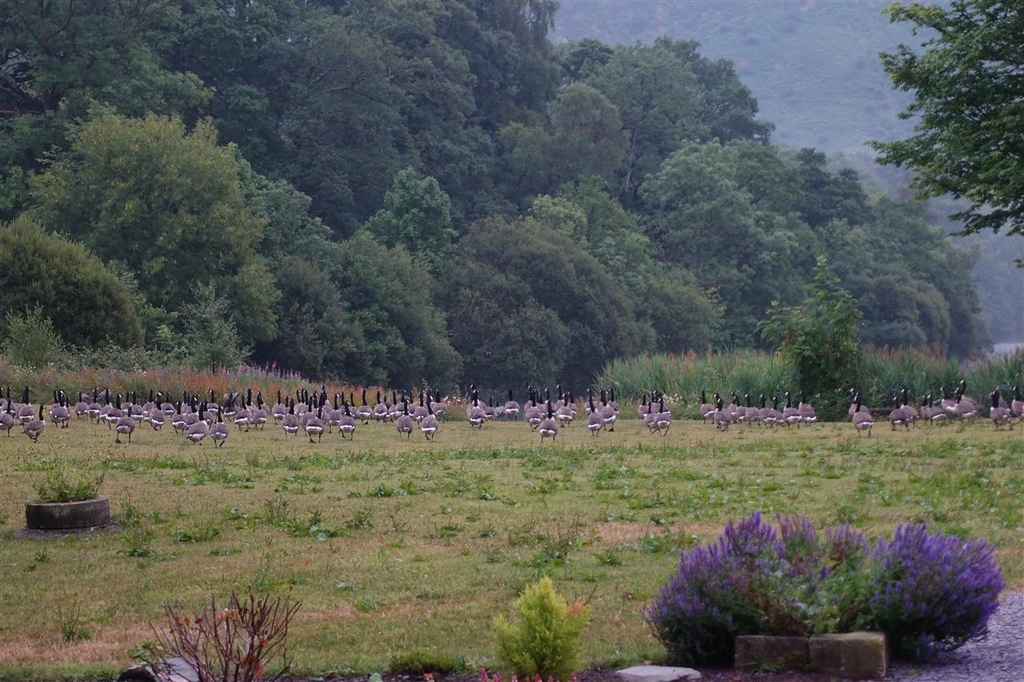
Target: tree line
<point x="401" y="192"/>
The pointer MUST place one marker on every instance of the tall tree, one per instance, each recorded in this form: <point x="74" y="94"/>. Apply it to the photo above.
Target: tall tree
<point x="658" y="99"/>
<point x="544" y="276"/>
<point x="965" y="77"/>
<point x="57" y="58"/>
<point x="87" y="303"/>
<point x="417" y="214"/>
<point x="168" y="204"/>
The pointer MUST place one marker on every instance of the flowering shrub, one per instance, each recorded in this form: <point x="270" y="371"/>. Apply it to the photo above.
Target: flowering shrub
<point x="934" y="593"/>
<point x="926" y="592"/>
<point x="754" y="580"/>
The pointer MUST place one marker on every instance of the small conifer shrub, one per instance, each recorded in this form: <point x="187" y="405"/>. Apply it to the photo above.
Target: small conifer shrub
<point x="544" y="638"/>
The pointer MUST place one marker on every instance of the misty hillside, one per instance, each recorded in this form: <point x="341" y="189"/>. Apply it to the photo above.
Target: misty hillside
<point x="814" y="69"/>
<point x="812" y="65"/>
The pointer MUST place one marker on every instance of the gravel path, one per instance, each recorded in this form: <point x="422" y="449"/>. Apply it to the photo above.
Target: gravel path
<point x="1000" y="658"/>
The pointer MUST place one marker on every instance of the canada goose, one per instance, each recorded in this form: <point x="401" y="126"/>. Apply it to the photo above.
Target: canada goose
<point x="178" y="421"/>
<point x="650" y="417"/>
<point x="429" y="424"/>
<point x="7" y="416"/>
<point x="290" y="421"/>
<point x="643" y="408"/>
<point x="911" y="413"/>
<point x="663" y="418"/>
<point x="219" y="430"/>
<point x="82" y="406"/>
<point x="611" y="400"/>
<point x="862" y="420"/>
<point x="790" y="414"/>
<point x="25" y="411"/>
<point x="347" y="421"/>
<point x="438" y="406"/>
<point x="113" y="413"/>
<point x="198" y="430"/>
<point x="278" y="410"/>
<point x="333" y="416"/>
<point x="314" y="425"/>
<point x="808" y="414"/>
<point x="365" y="412"/>
<point x="899" y="416"/>
<point x="60" y="413"/>
<point x="964" y="407"/>
<point x="963" y="398"/>
<point x="609" y="412"/>
<point x="533" y="413"/>
<point x="1017" y="404"/>
<point x="595" y="420"/>
<point x="258" y="415"/>
<point x="548" y="426"/>
<point x="404" y="421"/>
<point x="774" y="413"/>
<point x="764" y="413"/>
<point x="212" y="405"/>
<point x="243" y="415"/>
<point x="125" y="424"/>
<point x="999" y="413"/>
<point x="511" y="407"/>
<point x="566" y="412"/>
<point x="156" y="418"/>
<point x="932" y="413"/>
<point x="706" y="409"/>
<point x="95" y="406"/>
<point x="381" y="412"/>
<point x="420" y="411"/>
<point x="722" y="417"/>
<point x="35" y="427"/>
<point x="135" y="410"/>
<point x="475" y="413"/>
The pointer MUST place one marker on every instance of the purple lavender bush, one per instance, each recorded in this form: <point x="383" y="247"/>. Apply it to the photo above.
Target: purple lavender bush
<point x="753" y="580"/>
<point x="933" y="592"/>
<point x="927" y="592"/>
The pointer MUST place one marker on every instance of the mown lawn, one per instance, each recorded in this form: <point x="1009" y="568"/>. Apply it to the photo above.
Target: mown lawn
<point x="393" y="546"/>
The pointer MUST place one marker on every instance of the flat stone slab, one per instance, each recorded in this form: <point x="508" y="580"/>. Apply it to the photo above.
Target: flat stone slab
<point x="786" y="653"/>
<point x="657" y="673"/>
<point x="853" y="655"/>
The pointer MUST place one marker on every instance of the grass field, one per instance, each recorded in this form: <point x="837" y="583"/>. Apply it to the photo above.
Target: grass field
<point x="393" y="546"/>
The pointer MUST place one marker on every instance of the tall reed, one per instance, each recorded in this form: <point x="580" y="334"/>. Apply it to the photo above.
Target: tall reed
<point x="882" y="375"/>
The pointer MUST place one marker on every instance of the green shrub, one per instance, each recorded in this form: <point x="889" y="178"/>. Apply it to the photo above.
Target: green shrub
<point x="57" y="488"/>
<point x="545" y="638"/>
<point x="32" y="340"/>
<point x="420" y="662"/>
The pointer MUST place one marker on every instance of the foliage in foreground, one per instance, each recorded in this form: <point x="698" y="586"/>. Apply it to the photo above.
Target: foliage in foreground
<point x="236" y="643"/>
<point x="544" y="640"/>
<point x="929" y="593"/>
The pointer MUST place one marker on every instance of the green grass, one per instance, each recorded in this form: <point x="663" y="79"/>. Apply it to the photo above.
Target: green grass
<point x="397" y="546"/>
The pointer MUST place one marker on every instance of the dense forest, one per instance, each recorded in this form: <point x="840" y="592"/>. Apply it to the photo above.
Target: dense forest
<point x="815" y="69"/>
<point x="398" y="192"/>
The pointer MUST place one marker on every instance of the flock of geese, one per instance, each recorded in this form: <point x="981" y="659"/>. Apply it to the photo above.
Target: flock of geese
<point x="198" y="418"/>
<point x="955" y="407"/>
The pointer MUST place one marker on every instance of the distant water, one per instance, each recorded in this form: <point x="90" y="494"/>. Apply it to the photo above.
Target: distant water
<point x="1007" y="347"/>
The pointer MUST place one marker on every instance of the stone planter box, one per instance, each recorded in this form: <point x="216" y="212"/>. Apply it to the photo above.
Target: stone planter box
<point x="67" y="515"/>
<point x="854" y="655"/>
